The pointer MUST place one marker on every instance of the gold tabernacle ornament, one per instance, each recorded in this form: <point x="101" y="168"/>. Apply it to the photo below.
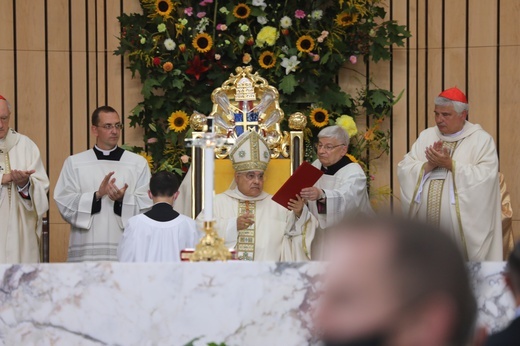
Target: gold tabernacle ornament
<point x="211" y="247"/>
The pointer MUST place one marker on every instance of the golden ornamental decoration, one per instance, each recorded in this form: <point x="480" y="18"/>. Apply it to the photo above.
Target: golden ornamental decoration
<point x="211" y="247"/>
<point x="297" y="121"/>
<point x="246" y="102"/>
<point x="198" y="121"/>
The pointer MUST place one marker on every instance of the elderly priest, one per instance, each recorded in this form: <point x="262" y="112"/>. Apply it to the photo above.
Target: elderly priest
<point x="249" y="220"/>
<point x="450" y="179"/>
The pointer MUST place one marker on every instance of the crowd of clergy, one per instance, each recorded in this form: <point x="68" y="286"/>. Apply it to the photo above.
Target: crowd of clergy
<point x="118" y="211"/>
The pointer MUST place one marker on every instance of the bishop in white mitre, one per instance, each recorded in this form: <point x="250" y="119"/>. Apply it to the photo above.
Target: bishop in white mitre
<point x="450" y="179"/>
<point x="249" y="220"/>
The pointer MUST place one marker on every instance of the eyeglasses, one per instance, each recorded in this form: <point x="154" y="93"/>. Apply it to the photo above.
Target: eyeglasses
<point x="117" y="126"/>
<point x="327" y="147"/>
<point x="252" y="176"/>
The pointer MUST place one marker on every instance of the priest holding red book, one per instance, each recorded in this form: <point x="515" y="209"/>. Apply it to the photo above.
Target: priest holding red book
<point x="450" y="179"/>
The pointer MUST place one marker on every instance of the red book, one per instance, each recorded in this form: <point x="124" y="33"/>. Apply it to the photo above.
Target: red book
<point x="305" y="176"/>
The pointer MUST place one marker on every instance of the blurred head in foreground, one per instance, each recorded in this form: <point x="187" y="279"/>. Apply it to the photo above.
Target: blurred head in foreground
<point x="394" y="282"/>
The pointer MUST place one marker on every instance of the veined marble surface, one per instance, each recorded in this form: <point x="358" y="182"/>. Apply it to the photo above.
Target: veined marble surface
<point x="171" y="304"/>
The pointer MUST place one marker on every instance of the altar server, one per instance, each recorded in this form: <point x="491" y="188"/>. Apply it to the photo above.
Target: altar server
<point x="249" y="220"/>
<point x="161" y="233"/>
<point x="450" y="179"/>
<point x="23" y="193"/>
<point x="98" y="190"/>
<point x="341" y="192"/>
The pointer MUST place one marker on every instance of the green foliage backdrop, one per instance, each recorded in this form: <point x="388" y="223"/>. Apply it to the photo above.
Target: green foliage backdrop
<point x="182" y="50"/>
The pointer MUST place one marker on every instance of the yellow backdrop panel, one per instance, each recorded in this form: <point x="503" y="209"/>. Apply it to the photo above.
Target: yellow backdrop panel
<point x="278" y="171"/>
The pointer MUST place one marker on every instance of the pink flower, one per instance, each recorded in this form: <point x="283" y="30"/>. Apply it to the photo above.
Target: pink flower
<point x="205" y="2"/>
<point x="185" y="158"/>
<point x="324" y="33"/>
<point x="222" y="27"/>
<point x="353" y="59"/>
<point x="188" y="11"/>
<point x="217" y="56"/>
<point x="152" y="140"/>
<point x="299" y="14"/>
<point x="201" y="14"/>
<point x="315" y="57"/>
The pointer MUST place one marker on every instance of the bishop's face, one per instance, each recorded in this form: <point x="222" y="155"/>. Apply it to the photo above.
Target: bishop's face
<point x="106" y="130"/>
<point x="4" y="119"/>
<point x="250" y="183"/>
<point x="448" y="120"/>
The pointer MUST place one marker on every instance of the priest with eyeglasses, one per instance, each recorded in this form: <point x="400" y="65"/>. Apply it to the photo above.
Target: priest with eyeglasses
<point x="341" y="192"/>
<point x="249" y="221"/>
<point x="98" y="190"/>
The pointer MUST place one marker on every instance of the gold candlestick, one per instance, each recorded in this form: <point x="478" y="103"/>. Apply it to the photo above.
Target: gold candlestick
<point x="211" y="247"/>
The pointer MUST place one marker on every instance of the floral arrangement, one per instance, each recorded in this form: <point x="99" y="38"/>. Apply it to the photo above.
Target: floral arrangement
<point x="182" y="50"/>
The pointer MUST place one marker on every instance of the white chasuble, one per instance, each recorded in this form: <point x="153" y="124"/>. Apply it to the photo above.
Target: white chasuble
<point x="95" y="237"/>
<point x="276" y="235"/>
<point x="21" y="218"/>
<point x="464" y="202"/>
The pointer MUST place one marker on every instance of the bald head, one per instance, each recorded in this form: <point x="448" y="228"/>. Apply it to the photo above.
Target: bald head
<point x="5" y="112"/>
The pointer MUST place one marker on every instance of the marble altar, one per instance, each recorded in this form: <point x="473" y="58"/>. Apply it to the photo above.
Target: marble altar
<point x="172" y="304"/>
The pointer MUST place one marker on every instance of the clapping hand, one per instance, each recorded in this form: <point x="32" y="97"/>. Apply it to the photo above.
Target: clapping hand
<point x="20" y="177"/>
<point x="437" y="156"/>
<point x="108" y="187"/>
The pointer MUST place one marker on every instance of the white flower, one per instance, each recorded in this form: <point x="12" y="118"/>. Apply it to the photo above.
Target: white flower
<point x="143" y="40"/>
<point x="169" y="44"/>
<point x="244" y="27"/>
<point x="261" y="20"/>
<point x="317" y="14"/>
<point x="217" y="56"/>
<point x="224" y="10"/>
<point x="201" y="26"/>
<point x="285" y="49"/>
<point x="290" y="64"/>
<point x="285" y="22"/>
<point x="241" y="39"/>
<point x="259" y="3"/>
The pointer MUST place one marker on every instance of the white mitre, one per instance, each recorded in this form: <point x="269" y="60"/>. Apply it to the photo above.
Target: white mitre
<point x="250" y="153"/>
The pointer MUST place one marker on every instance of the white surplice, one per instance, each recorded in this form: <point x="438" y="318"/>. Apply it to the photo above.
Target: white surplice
<point x="148" y="240"/>
<point x="470" y="207"/>
<point x="95" y="237"/>
<point x="279" y="234"/>
<point x="347" y="196"/>
<point x="20" y="218"/>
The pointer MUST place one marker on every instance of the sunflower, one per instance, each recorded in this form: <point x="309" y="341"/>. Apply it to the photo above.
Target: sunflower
<point x="163" y="8"/>
<point x="202" y="42"/>
<point x="305" y="44"/>
<point x="241" y="11"/>
<point x="319" y="117"/>
<point x="178" y="121"/>
<point x="148" y="158"/>
<point x="267" y="60"/>
<point x="345" y="19"/>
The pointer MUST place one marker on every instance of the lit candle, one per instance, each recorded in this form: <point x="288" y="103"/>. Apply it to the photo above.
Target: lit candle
<point x="209" y="176"/>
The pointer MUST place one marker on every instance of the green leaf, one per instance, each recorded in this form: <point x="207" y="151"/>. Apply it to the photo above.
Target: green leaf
<point x="288" y="84"/>
<point x="148" y="86"/>
<point x="152" y="127"/>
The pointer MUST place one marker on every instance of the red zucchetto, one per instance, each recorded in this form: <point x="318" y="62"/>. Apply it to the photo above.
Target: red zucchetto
<point x="454" y="94"/>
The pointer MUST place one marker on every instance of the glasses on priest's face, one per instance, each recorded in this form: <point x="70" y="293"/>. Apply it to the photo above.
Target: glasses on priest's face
<point x="109" y="127"/>
<point x="328" y="148"/>
<point x="253" y="176"/>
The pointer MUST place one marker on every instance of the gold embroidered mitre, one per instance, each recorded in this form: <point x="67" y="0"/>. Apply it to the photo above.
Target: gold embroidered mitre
<point x="250" y="153"/>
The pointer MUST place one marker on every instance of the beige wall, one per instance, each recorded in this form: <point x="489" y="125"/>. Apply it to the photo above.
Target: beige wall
<point x="56" y="66"/>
